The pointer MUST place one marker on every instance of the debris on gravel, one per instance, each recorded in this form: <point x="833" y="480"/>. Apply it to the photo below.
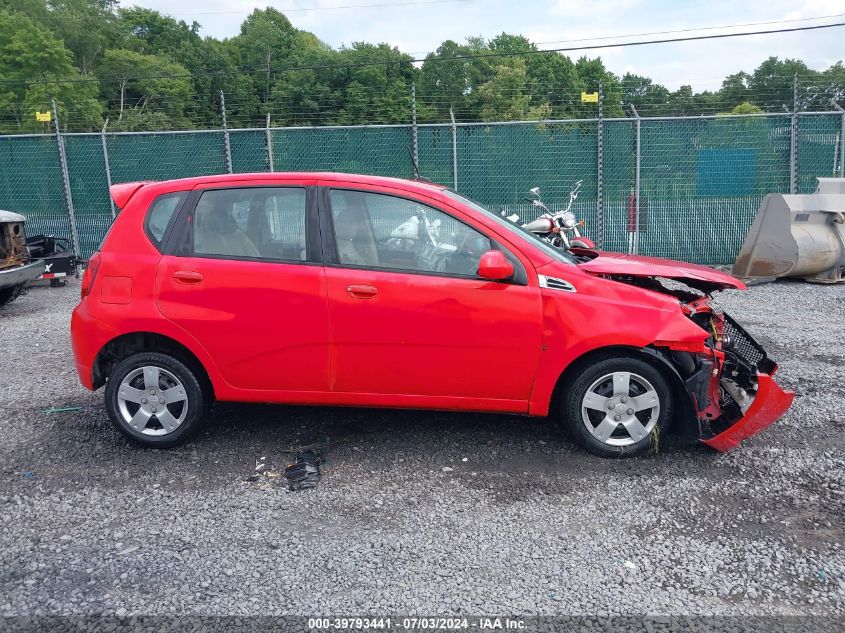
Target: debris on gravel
<point x="419" y="512"/>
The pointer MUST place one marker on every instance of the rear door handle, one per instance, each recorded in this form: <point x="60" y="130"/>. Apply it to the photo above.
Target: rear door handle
<point x="360" y="291"/>
<point x="188" y="277"/>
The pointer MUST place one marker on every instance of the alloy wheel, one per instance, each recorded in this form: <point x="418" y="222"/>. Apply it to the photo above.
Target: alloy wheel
<point x="620" y="408"/>
<point x="152" y="401"/>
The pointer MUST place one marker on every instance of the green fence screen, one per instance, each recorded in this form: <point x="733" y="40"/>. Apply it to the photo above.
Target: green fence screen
<point x="701" y="178"/>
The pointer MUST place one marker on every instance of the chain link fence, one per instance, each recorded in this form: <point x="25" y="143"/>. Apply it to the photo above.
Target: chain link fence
<point x="685" y="188"/>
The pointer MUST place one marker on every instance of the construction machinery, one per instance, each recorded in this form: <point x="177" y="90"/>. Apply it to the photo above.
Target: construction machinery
<point x="797" y="235"/>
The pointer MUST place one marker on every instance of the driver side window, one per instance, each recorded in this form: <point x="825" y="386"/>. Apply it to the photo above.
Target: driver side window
<point x="380" y="231"/>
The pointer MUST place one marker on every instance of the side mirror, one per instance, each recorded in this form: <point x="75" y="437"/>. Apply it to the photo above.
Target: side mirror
<point x="494" y="266"/>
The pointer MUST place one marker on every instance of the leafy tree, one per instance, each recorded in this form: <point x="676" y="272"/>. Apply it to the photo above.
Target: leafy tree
<point x="771" y="84"/>
<point x="649" y="98"/>
<point x="213" y="68"/>
<point x="144" y="84"/>
<point x="35" y="67"/>
<point x="551" y="78"/>
<point x="504" y="97"/>
<point x="266" y="43"/>
<point x="377" y="80"/>
<point x="831" y="84"/>
<point x="735" y="89"/>
<point x="149" y="32"/>
<point x="591" y="74"/>
<point x="448" y="80"/>
<point x="746" y="108"/>
<point x="85" y="26"/>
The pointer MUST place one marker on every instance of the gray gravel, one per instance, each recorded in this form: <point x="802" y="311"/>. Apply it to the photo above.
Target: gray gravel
<point x="419" y="512"/>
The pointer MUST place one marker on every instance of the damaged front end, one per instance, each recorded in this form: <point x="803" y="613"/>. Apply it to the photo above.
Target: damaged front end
<point x="739" y="398"/>
<point x="728" y="377"/>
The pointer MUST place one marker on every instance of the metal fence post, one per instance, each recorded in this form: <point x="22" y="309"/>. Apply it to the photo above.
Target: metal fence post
<point x="269" y="139"/>
<point x="414" y="137"/>
<point x="793" y="139"/>
<point x="66" y="181"/>
<point x="634" y="245"/>
<point x="600" y="173"/>
<point x="454" y="150"/>
<point x="841" y="138"/>
<point x="108" y="166"/>
<point x="226" y="133"/>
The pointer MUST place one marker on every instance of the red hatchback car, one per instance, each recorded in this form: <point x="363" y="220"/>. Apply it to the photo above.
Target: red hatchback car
<point x="339" y="289"/>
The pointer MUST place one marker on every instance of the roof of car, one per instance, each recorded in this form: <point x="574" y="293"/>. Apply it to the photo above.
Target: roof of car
<point x="418" y="185"/>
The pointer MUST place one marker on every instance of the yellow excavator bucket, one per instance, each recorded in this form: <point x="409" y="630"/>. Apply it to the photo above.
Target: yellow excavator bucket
<point x="797" y="235"/>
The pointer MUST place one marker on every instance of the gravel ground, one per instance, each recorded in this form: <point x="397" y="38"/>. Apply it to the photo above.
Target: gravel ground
<point x="417" y="512"/>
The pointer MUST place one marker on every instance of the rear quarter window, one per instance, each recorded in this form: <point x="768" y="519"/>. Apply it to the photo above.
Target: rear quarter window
<point x="161" y="214"/>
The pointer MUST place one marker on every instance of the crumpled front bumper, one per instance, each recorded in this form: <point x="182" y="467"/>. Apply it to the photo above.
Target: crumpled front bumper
<point x="770" y="403"/>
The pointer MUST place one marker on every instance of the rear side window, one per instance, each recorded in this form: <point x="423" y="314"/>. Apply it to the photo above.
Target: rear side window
<point x="161" y="214"/>
<point x="265" y="223"/>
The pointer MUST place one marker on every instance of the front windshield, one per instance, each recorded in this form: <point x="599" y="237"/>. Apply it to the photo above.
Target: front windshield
<point x="556" y="253"/>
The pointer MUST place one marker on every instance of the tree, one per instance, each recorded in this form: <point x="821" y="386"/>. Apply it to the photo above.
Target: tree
<point x="504" y="97"/>
<point x="771" y="85"/>
<point x="149" y="32"/>
<point x="551" y="78"/>
<point x="450" y="81"/>
<point x="649" y="98"/>
<point x="735" y="89"/>
<point x="746" y="108"/>
<point x="85" y="26"/>
<point x="267" y="42"/>
<point x="591" y="73"/>
<point x="832" y="84"/>
<point x="144" y="84"/>
<point x="213" y="68"/>
<point x="377" y="81"/>
<point x="35" y="67"/>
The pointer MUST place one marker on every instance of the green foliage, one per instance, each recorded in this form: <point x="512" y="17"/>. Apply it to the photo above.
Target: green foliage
<point x="746" y="108"/>
<point x="504" y="97"/>
<point x="146" y="70"/>
<point x="648" y="98"/>
<point x="31" y="60"/>
<point x="146" y="85"/>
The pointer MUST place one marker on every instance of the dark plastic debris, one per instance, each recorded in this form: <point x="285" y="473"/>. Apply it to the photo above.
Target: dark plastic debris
<point x="305" y="471"/>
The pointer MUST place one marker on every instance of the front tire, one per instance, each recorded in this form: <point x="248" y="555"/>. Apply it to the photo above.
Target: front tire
<point x="156" y="400"/>
<point x="618" y="407"/>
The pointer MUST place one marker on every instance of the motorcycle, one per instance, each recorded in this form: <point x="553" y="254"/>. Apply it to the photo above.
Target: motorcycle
<point x="559" y="229"/>
<point x="418" y="238"/>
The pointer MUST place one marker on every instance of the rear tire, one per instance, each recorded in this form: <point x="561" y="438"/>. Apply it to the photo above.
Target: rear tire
<point x="156" y="400"/>
<point x="7" y="295"/>
<point x="617" y="407"/>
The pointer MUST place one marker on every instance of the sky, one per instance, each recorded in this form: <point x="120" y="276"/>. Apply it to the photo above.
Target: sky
<point x="419" y="26"/>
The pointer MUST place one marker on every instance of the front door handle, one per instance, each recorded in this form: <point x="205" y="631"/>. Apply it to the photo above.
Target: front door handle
<point x="188" y="277"/>
<point x="361" y="291"/>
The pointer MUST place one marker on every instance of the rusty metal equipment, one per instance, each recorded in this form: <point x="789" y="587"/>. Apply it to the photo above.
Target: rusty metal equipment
<point x="797" y="235"/>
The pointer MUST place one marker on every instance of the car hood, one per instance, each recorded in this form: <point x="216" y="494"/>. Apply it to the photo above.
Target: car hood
<point x="700" y="277"/>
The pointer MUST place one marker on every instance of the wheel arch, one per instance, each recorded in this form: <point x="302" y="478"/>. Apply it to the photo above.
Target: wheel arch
<point x="124" y="345"/>
<point x="648" y="354"/>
